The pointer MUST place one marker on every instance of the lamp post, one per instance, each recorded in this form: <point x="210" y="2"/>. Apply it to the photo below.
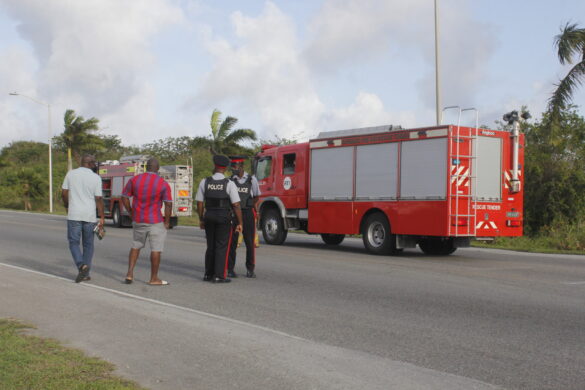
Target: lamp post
<point x="50" y="145"/>
<point x="437" y="76"/>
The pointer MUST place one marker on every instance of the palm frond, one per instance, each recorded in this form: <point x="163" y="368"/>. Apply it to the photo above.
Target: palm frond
<point x="565" y="88"/>
<point x="215" y="120"/>
<point x="69" y="117"/>
<point x="226" y="126"/>
<point x="570" y="42"/>
<point x="239" y="135"/>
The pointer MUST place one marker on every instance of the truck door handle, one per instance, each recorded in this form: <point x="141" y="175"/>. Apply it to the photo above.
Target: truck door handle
<point x="268" y="188"/>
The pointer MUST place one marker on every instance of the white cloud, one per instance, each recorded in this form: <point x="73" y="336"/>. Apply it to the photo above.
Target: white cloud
<point x="19" y="119"/>
<point x="94" y="56"/>
<point x="263" y="74"/>
<point x="466" y="47"/>
<point x="367" y="110"/>
<point x="267" y="73"/>
<point x="349" y="31"/>
<point x="346" y="33"/>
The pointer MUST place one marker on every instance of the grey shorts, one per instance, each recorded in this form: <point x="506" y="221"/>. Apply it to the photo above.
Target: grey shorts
<point x="156" y="233"/>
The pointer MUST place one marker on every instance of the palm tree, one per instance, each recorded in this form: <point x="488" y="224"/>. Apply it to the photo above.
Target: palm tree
<point x="570" y="44"/>
<point x="223" y="138"/>
<point x="77" y="135"/>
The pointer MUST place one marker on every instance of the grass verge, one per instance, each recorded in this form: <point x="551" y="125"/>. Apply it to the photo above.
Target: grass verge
<point x="31" y="363"/>
<point x="529" y="244"/>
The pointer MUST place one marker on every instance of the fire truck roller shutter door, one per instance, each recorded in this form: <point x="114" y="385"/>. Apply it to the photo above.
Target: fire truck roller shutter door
<point x="117" y="185"/>
<point x="332" y="174"/>
<point x="423" y="169"/>
<point x="489" y="169"/>
<point x="377" y="171"/>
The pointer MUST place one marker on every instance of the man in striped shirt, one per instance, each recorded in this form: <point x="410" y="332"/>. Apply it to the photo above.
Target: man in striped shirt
<point x="148" y="192"/>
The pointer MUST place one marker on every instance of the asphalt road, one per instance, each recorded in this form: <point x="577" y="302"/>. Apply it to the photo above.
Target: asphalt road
<point x="470" y="320"/>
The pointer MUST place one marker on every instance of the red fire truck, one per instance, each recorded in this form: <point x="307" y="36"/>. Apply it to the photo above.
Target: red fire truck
<point x="436" y="187"/>
<point x="115" y="175"/>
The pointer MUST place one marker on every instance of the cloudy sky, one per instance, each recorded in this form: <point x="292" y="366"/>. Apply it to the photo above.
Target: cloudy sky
<point x="149" y="69"/>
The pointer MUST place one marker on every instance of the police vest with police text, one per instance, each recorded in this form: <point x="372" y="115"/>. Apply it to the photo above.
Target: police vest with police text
<point x="245" y="192"/>
<point x="216" y="195"/>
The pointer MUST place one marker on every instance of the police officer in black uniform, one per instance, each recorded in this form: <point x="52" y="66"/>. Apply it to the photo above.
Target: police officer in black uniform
<point x="217" y="203"/>
<point x="249" y="191"/>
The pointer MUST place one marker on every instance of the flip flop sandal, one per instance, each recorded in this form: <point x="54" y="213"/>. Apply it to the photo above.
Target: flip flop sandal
<point x="162" y="283"/>
<point x="128" y="281"/>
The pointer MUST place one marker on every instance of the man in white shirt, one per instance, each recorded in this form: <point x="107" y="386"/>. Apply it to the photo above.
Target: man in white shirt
<point x="82" y="194"/>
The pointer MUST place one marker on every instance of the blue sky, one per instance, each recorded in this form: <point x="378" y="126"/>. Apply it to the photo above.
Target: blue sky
<point x="151" y="69"/>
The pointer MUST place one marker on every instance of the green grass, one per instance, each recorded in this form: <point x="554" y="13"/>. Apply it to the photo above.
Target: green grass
<point x="540" y="244"/>
<point x="31" y="363"/>
<point x="189" y="221"/>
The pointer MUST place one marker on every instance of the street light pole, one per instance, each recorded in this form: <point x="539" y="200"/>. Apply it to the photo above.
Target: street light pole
<point x="50" y="161"/>
<point x="437" y="77"/>
<point x="50" y="145"/>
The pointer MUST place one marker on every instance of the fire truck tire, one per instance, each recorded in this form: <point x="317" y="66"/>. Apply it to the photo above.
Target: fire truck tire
<point x="332" y="239"/>
<point x="273" y="227"/>
<point x="116" y="217"/>
<point x="437" y="246"/>
<point x="377" y="236"/>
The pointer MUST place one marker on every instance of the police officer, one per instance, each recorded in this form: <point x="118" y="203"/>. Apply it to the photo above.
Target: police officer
<point x="217" y="197"/>
<point x="249" y="192"/>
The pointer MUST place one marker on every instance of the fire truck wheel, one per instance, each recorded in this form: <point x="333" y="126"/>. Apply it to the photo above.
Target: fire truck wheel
<point x="273" y="227"/>
<point x="332" y="239"/>
<point x="116" y="217"/>
<point x="377" y="237"/>
<point x="437" y="246"/>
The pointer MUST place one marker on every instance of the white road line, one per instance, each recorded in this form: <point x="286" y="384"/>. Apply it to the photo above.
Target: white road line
<point x="161" y="303"/>
<point x="574" y="283"/>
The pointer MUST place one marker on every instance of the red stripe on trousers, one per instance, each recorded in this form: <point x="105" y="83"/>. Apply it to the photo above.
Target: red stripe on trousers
<point x="227" y="254"/>
<point x="254" y="240"/>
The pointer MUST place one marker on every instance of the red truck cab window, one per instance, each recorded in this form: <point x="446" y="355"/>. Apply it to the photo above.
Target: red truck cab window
<point x="263" y="168"/>
<point x="288" y="164"/>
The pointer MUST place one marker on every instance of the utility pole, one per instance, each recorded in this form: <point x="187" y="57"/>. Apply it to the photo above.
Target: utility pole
<point x="437" y="68"/>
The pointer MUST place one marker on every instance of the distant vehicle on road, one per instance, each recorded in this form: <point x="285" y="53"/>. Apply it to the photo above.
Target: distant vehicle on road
<point x="115" y="175"/>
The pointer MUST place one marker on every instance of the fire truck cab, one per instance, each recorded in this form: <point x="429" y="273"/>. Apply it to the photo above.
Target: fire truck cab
<point x="435" y="187"/>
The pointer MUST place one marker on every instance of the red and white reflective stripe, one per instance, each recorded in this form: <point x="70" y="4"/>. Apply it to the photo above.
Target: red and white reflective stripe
<point x="460" y="174"/>
<point x="508" y="178"/>
<point x="486" y="225"/>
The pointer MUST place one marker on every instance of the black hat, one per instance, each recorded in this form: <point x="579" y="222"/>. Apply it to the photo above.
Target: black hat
<point x="221" y="160"/>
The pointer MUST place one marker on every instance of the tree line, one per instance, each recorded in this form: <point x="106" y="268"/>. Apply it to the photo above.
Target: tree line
<point x="24" y="164"/>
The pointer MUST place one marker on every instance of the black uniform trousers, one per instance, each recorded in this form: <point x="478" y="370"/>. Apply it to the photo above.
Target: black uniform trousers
<point x="248" y="230"/>
<point x="219" y="234"/>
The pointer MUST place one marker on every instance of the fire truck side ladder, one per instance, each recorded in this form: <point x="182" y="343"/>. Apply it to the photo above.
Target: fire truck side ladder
<point x="460" y="179"/>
